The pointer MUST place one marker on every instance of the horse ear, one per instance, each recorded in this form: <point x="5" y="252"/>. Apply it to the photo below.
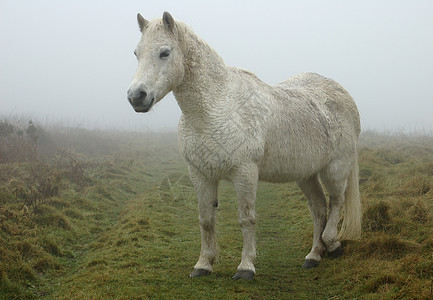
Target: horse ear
<point x="168" y="21"/>
<point x="142" y="22"/>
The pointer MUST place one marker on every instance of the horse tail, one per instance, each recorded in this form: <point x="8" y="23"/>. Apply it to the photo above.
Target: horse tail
<point x="351" y="225"/>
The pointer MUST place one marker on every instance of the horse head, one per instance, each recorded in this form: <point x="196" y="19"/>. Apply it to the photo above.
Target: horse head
<point x="160" y="63"/>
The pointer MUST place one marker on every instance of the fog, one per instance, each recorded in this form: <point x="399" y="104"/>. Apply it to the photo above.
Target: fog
<point x="71" y="62"/>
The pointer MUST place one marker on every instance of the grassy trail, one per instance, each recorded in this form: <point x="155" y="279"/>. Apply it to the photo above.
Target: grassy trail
<point x="151" y="247"/>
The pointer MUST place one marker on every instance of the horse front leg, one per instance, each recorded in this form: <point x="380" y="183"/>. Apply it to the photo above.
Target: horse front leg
<point x="245" y="183"/>
<point x="207" y="205"/>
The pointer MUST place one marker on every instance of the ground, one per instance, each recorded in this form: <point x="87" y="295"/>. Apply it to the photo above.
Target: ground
<point x="111" y="215"/>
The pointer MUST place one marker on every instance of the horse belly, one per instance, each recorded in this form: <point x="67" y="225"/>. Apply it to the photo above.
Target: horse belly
<point x="286" y="165"/>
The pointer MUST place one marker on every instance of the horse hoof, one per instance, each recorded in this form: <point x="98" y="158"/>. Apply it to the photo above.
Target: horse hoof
<point x="310" y="263"/>
<point x="244" y="274"/>
<point x="336" y="253"/>
<point x="199" y="273"/>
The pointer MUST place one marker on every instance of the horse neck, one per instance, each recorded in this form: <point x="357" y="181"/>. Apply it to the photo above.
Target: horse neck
<point x="205" y="76"/>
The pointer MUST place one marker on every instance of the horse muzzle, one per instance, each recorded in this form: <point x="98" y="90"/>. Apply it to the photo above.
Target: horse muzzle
<point x="140" y="100"/>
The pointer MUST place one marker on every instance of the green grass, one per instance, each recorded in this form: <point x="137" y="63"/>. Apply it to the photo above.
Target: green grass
<point x="132" y="231"/>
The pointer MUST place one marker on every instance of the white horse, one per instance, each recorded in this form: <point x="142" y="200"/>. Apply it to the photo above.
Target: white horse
<point x="236" y="127"/>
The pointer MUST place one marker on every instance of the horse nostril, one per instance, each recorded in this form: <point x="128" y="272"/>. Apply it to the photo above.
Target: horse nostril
<point x="142" y="95"/>
<point x="136" y="97"/>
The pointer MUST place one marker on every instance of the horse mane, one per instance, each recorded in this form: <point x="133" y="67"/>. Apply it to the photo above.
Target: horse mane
<point x="194" y="47"/>
<point x="200" y="51"/>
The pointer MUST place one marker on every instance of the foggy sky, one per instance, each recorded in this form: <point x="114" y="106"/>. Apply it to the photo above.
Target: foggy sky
<point x="72" y="61"/>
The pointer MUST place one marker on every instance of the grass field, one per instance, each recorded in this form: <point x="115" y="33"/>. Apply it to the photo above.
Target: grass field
<point x="100" y="215"/>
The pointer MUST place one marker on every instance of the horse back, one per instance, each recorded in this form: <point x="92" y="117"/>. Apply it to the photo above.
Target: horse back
<point x="331" y="99"/>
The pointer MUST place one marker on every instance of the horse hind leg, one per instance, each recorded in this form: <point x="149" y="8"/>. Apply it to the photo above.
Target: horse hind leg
<point x="334" y="177"/>
<point x="329" y="235"/>
<point x="313" y="191"/>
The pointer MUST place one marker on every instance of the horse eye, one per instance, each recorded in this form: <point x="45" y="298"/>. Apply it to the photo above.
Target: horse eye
<point x="135" y="53"/>
<point x="165" y="53"/>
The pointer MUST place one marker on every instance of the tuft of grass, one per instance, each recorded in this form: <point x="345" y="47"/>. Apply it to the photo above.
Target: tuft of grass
<point x="51" y="246"/>
<point x="387" y="246"/>
<point x="43" y="209"/>
<point x="26" y="249"/>
<point x="377" y="217"/>
<point x="382" y="284"/>
<point x="46" y="264"/>
<point x="10" y="289"/>
<point x="73" y="213"/>
<point x="417" y="266"/>
<point x="419" y="212"/>
<point x="22" y="273"/>
<point x="55" y="219"/>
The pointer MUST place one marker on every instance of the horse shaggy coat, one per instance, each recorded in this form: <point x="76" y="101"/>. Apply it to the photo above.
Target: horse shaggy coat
<point x="236" y="127"/>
